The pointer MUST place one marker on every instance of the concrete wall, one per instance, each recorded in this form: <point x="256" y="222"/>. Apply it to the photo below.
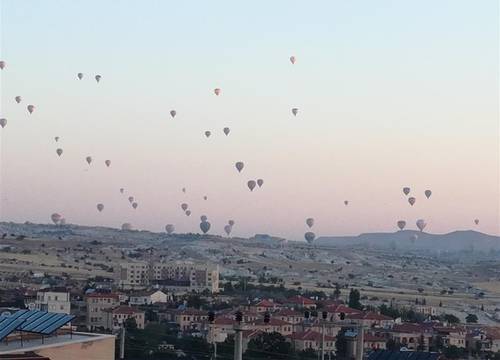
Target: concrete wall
<point x="101" y="349"/>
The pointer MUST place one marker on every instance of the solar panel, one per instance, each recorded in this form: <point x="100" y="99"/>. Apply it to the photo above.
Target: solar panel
<point x="29" y="326"/>
<point x="62" y="321"/>
<point x="9" y="325"/>
<point x="47" y="323"/>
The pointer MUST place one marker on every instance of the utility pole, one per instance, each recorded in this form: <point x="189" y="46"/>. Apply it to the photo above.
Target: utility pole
<point x="360" y="343"/>
<point x="323" y="340"/>
<point x="238" y="337"/>
<point x="122" y="342"/>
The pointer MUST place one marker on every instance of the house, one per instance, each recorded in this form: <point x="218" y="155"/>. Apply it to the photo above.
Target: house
<point x="298" y="302"/>
<point x="371" y="319"/>
<point x="55" y="300"/>
<point x="289" y="315"/>
<point x="190" y="319"/>
<point x="97" y="304"/>
<point x="311" y="340"/>
<point x="451" y="335"/>
<point x="338" y="312"/>
<point x="374" y="342"/>
<point x="413" y="336"/>
<point x="118" y="316"/>
<point x="149" y="297"/>
<point x="265" y="306"/>
<point x="274" y="325"/>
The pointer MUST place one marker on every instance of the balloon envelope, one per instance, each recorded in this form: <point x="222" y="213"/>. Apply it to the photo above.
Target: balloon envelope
<point x="217" y="91"/>
<point x="406" y="190"/>
<point x="412" y="201"/>
<point x="227" y="229"/>
<point x="130" y="199"/>
<point x="80" y="76"/>
<point x="100" y="207"/>
<point x="428" y="193"/>
<point x="184" y="206"/>
<point x="346" y="202"/>
<point x="107" y="162"/>
<point x="295" y="111"/>
<point x="173" y="113"/>
<point x="188" y="212"/>
<point x="310" y="222"/>
<point x="208" y="133"/>
<point x="203" y="218"/>
<point x="169" y="228"/>
<point x="59" y="152"/>
<point x="98" y="78"/>
<point x="122" y="190"/>
<point x="292" y="59"/>
<point x="55" y="217"/>
<point x="31" y="108"/>
<point x="476" y="221"/>
<point x="309" y="236"/>
<point x="135" y="205"/>
<point x="260" y="182"/>
<point x="3" y="122"/>
<point x="231" y="222"/>
<point x="401" y="224"/>
<point x="205" y="226"/>
<point x="239" y="166"/>
<point x="18" y="99"/>
<point x="2" y="65"/>
<point x="251" y="184"/>
<point x="421" y="224"/>
<point x="88" y="159"/>
<point x="226" y="131"/>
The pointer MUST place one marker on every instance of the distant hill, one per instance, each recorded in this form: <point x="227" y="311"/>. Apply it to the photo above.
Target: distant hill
<point x="453" y="241"/>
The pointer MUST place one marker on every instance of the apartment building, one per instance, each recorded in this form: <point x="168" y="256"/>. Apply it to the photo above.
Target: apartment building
<point x="97" y="306"/>
<point x="53" y="300"/>
<point x="170" y="276"/>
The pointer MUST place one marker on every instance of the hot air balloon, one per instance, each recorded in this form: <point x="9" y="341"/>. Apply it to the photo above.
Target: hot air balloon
<point x="2" y="65"/>
<point x="476" y="221"/>
<point x="59" y="151"/>
<point x="231" y="222"/>
<point x="18" y="99"/>
<point x="31" y="108"/>
<point x="203" y="218"/>
<point x="169" y="228"/>
<point x="346" y="202"/>
<point x="184" y="190"/>
<point x="226" y="131"/>
<point x="208" y="133"/>
<point x="428" y="193"/>
<point x="205" y="197"/>
<point x="292" y="59"/>
<point x="88" y="159"/>
<point x="122" y="190"/>
<point x="3" y="122"/>
<point x="295" y="111"/>
<point x="80" y="76"/>
<point x="173" y="113"/>
<point x="406" y="190"/>
<point x="217" y="91"/>
<point x="251" y="184"/>
<point x="239" y="166"/>
<point x="135" y="205"/>
<point x="227" y="229"/>
<point x="127" y="227"/>
<point x="56" y="138"/>
<point x="184" y="206"/>
<point x="100" y="207"/>
<point x="205" y="226"/>
<point x="309" y="236"/>
<point x="421" y="224"/>
<point x="412" y="201"/>
<point x="188" y="212"/>
<point x="107" y="162"/>
<point x="98" y="78"/>
<point x="260" y="182"/>
<point x="130" y="199"/>
<point x="310" y="222"/>
<point x="56" y="218"/>
<point x="401" y="224"/>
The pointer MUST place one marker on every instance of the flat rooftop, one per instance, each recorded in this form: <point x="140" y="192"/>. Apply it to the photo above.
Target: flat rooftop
<point x="15" y="346"/>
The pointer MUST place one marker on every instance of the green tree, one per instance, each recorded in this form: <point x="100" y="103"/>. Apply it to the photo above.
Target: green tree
<point x="130" y="324"/>
<point x="354" y="297"/>
<point x="341" y="343"/>
<point x="450" y="318"/>
<point x="269" y="346"/>
<point x="453" y="352"/>
<point x="471" y="319"/>
<point x="337" y="292"/>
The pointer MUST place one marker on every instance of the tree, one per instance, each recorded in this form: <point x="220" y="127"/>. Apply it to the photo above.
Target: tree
<point x="130" y="324"/>
<point x="337" y="292"/>
<point x="453" y="352"/>
<point x="354" y="297"/>
<point x="341" y="344"/>
<point x="269" y="346"/>
<point x="392" y="345"/>
<point x="450" y="318"/>
<point x="471" y="319"/>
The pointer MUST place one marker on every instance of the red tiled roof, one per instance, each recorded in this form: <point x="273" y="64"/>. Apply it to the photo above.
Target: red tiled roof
<point x="300" y="300"/>
<point x="369" y="316"/>
<point x="310" y="335"/>
<point x="289" y="312"/>
<point x="265" y="303"/>
<point x="224" y="320"/>
<point x="373" y="338"/>
<point x="124" y="309"/>
<point x="104" y="295"/>
<point x="341" y="308"/>
<point x="190" y="311"/>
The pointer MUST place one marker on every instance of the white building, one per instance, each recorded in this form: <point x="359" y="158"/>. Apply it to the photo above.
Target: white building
<point x="172" y="276"/>
<point x="53" y="300"/>
<point x="149" y="297"/>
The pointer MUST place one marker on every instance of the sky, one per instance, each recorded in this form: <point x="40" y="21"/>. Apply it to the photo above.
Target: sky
<point x="390" y="94"/>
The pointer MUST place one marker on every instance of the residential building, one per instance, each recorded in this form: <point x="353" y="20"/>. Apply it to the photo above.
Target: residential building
<point x="117" y="317"/>
<point x="149" y="297"/>
<point x="53" y="300"/>
<point x="170" y="276"/>
<point x="311" y="340"/>
<point x="97" y="305"/>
